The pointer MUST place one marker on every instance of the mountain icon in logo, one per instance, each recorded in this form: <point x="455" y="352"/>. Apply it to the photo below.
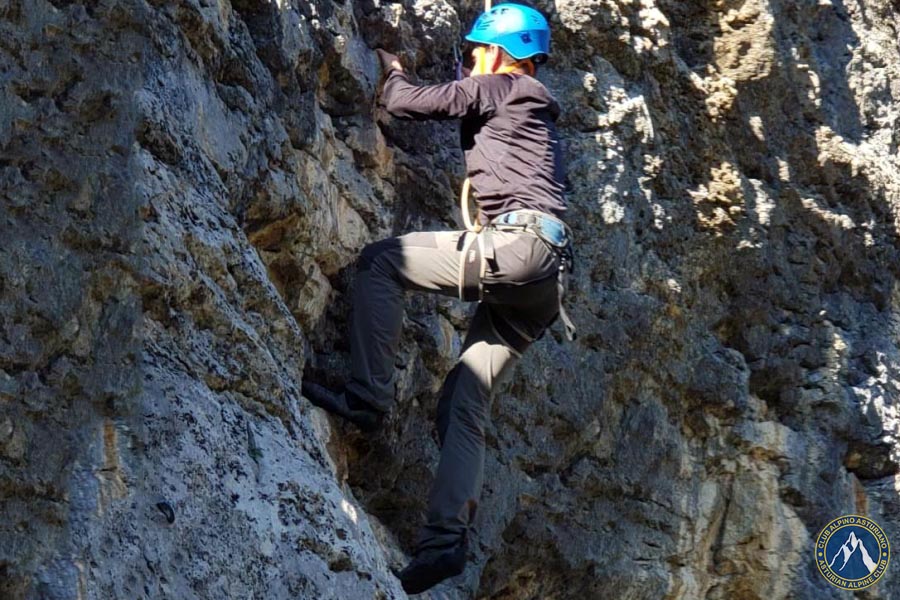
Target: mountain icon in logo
<point x="853" y="548"/>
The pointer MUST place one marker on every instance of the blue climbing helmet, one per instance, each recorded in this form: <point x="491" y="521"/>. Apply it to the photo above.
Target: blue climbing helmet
<point x="520" y="30"/>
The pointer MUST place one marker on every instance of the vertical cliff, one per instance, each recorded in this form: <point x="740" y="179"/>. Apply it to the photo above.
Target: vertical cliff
<point x="185" y="188"/>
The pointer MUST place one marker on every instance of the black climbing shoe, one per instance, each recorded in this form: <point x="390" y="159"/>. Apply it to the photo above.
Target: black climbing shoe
<point x="433" y="565"/>
<point x="344" y="404"/>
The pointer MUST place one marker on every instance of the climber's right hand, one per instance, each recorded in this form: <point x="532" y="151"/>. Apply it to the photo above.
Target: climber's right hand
<point x="388" y="61"/>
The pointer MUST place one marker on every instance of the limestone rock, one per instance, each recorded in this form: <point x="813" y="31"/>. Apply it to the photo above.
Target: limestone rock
<point x="184" y="189"/>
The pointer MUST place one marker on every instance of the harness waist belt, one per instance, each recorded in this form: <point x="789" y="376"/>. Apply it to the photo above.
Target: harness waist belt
<point x="549" y="228"/>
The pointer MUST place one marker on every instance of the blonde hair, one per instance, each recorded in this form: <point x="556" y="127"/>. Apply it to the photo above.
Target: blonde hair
<point x="511" y="63"/>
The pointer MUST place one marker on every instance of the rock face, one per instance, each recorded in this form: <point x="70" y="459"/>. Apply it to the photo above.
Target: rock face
<point x="185" y="188"/>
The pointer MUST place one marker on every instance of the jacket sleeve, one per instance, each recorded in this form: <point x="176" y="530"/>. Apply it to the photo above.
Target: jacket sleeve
<point x="452" y="100"/>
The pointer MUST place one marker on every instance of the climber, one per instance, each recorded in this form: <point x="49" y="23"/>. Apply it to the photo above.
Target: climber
<point x="514" y="266"/>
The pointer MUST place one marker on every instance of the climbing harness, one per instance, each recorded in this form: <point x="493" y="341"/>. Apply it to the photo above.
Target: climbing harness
<point x="477" y="250"/>
<point x="558" y="238"/>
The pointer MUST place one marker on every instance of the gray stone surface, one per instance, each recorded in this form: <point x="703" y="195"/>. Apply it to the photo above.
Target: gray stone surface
<point x="184" y="187"/>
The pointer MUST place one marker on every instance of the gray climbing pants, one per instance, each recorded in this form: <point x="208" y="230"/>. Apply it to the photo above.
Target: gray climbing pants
<point x="516" y="279"/>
